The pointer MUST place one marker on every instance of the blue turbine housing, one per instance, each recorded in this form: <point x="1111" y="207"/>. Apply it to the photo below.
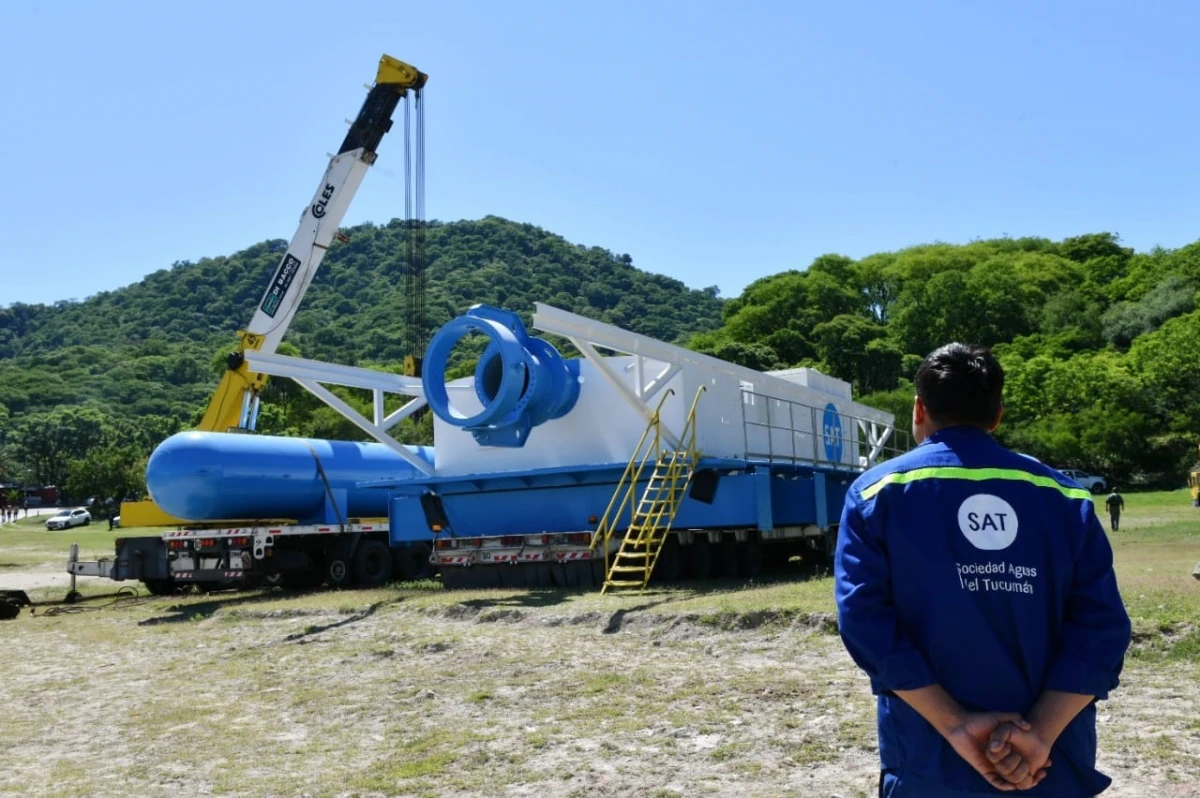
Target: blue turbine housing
<point x="521" y="381"/>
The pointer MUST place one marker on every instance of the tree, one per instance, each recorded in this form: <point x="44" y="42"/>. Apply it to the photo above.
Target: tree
<point x="107" y="474"/>
<point x="47" y="443"/>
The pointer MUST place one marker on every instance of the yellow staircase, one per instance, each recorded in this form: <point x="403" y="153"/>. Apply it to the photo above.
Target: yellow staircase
<point x="653" y="513"/>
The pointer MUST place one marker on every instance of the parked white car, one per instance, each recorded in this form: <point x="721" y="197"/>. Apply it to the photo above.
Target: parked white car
<point x="69" y="518"/>
<point x="1086" y="481"/>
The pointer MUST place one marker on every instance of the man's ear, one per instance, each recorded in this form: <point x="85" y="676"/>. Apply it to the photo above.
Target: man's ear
<point x="999" y="416"/>
<point x="918" y="410"/>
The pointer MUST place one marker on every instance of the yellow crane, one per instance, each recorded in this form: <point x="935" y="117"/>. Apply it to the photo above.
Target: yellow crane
<point x="234" y="405"/>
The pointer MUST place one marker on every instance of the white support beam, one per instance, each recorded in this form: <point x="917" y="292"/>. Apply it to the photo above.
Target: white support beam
<point x="881" y="439"/>
<point x="377" y="406"/>
<point x="299" y="368"/>
<point x="876" y="437"/>
<point x="575" y="327"/>
<point x="403" y="413"/>
<point x="659" y="382"/>
<point x="355" y="418"/>
<point x="621" y="388"/>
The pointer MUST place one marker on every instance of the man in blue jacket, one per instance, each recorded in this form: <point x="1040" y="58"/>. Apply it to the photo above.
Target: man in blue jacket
<point x="975" y="587"/>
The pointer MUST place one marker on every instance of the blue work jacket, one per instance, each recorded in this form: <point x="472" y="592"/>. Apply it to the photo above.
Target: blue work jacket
<point x="964" y="564"/>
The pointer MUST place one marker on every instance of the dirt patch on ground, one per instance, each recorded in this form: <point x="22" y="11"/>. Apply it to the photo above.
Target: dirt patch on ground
<point x="250" y="695"/>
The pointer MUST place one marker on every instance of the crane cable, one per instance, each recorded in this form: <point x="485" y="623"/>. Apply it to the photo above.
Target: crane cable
<point x="415" y="325"/>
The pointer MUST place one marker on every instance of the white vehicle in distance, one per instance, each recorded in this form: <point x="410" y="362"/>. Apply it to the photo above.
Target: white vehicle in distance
<point x="69" y="518"/>
<point x="1086" y="481"/>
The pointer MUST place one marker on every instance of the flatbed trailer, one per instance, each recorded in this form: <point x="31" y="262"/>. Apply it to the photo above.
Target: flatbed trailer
<point x="356" y="553"/>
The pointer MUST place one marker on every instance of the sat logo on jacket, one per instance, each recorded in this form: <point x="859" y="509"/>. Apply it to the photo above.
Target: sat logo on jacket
<point x="988" y="522"/>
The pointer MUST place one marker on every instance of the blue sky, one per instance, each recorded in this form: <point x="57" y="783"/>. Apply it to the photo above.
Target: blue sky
<point x="714" y="142"/>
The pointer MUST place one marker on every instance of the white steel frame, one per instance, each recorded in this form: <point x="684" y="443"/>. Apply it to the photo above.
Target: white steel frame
<point x="310" y="374"/>
<point x="584" y="333"/>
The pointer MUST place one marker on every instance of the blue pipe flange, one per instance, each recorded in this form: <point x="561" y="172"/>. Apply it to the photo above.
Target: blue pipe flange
<point x="520" y="381"/>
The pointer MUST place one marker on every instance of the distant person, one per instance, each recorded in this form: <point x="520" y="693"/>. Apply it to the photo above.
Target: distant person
<point x="975" y="587"/>
<point x="1115" y="505"/>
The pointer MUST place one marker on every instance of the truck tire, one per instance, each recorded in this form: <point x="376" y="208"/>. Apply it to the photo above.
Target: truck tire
<point x="512" y="575"/>
<point x="159" y="587"/>
<point x="372" y="564"/>
<point x="749" y="559"/>
<point x="725" y="559"/>
<point x="599" y="572"/>
<point x="457" y="578"/>
<point x="9" y="610"/>
<point x="273" y="579"/>
<point x="669" y="565"/>
<point x="698" y="560"/>
<point x="306" y="578"/>
<point x="413" y="562"/>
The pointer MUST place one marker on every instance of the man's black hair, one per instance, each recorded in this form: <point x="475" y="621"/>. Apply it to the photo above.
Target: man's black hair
<point x="961" y="384"/>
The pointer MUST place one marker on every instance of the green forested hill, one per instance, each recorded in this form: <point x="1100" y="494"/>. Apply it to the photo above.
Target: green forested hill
<point x="1101" y="345"/>
<point x="149" y="351"/>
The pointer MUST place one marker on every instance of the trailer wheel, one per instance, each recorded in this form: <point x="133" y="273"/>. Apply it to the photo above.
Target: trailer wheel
<point x="9" y="610"/>
<point x="159" y="587"/>
<point x="511" y="575"/>
<point x="560" y="574"/>
<point x="457" y="577"/>
<point x="699" y="560"/>
<point x="309" y="579"/>
<point x="413" y="562"/>
<point x="573" y="573"/>
<point x="273" y="579"/>
<point x="725" y="564"/>
<point x="669" y="564"/>
<point x="598" y="573"/>
<point x="372" y="564"/>
<point x="749" y="559"/>
<point x="485" y="577"/>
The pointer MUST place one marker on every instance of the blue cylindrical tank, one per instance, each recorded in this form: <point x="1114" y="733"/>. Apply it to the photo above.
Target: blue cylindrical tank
<point x="208" y="476"/>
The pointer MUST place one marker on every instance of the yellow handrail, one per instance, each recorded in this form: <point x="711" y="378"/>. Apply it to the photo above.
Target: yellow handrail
<point x="605" y="528"/>
<point x="675" y="494"/>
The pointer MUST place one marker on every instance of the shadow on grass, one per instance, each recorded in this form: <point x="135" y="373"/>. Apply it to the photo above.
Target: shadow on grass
<point x="658" y="593"/>
<point x="229" y="599"/>
<point x="618" y="618"/>
<point x="179" y="613"/>
<point x="316" y="630"/>
<point x="524" y="598"/>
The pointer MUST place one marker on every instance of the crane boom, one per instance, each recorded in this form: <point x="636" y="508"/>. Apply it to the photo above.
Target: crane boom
<point x="234" y="405"/>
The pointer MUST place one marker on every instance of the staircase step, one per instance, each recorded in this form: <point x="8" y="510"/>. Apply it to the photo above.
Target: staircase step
<point x="623" y="583"/>
<point x="627" y="569"/>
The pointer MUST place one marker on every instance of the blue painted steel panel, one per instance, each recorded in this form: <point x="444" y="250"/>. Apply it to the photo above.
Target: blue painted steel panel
<point x="209" y="476"/>
<point x="793" y="500"/>
<point x="836" y="485"/>
<point x="765" y="517"/>
<point x="822" y="499"/>
<point x="558" y="500"/>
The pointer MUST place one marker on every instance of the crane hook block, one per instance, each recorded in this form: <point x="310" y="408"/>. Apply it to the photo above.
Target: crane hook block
<point x="520" y="381"/>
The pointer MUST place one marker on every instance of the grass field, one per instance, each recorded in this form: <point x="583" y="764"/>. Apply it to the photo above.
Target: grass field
<point x="724" y="688"/>
<point x="1155" y="550"/>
